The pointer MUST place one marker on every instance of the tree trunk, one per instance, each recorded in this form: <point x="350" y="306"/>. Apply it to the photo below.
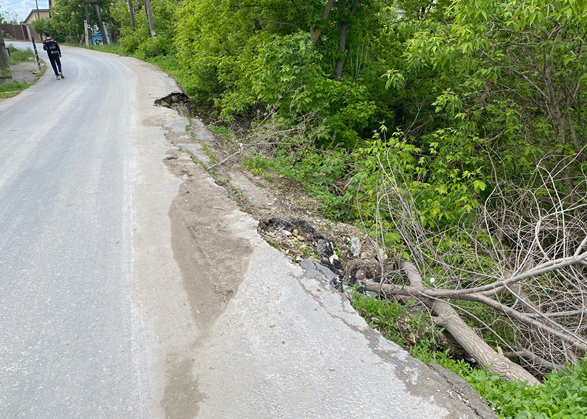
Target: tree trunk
<point x="342" y="28"/>
<point x="449" y="319"/>
<point x="316" y="32"/>
<point x="132" y="15"/>
<point x="476" y="346"/>
<point x="101" y="26"/>
<point x="536" y="361"/>
<point x="342" y="35"/>
<point x="150" y="18"/>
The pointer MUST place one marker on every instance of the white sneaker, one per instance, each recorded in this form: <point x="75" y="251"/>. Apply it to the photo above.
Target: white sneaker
<point x="58" y="78"/>
<point x="61" y="75"/>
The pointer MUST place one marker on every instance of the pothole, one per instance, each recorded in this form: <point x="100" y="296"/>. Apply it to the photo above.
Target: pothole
<point x="177" y="101"/>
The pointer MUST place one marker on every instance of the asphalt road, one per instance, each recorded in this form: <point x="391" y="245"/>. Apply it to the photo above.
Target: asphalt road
<point x="68" y="335"/>
<point x="131" y="286"/>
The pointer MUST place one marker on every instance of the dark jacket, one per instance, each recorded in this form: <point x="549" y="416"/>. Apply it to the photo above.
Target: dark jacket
<point x="52" y="47"/>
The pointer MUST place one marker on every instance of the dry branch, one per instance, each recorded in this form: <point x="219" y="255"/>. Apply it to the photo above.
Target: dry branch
<point x="535" y="360"/>
<point x="541" y="269"/>
<point x="525" y="258"/>
<point x="448" y="318"/>
<point x="423" y="293"/>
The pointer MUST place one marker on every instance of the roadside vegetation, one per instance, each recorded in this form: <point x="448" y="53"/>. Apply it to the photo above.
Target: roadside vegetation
<point x="453" y="133"/>
<point x="20" y="56"/>
<point x="12" y="88"/>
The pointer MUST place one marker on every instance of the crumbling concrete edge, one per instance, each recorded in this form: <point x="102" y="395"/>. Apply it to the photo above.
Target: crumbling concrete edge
<point x="460" y="387"/>
<point x="465" y="391"/>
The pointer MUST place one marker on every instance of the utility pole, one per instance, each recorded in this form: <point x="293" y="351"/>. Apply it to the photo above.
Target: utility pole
<point x="132" y="15"/>
<point x="101" y="26"/>
<point x="150" y="18"/>
<point x="36" y="54"/>
<point x="33" y="38"/>
<point x="87" y="26"/>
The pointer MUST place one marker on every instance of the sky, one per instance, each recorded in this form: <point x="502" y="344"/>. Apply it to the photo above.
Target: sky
<point x="22" y="8"/>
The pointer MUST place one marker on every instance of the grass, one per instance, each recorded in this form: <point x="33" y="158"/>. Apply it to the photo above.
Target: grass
<point x="13" y="88"/>
<point x="19" y="56"/>
<point x="111" y="48"/>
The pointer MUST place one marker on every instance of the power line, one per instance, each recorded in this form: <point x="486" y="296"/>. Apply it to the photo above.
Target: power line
<point x="16" y="2"/>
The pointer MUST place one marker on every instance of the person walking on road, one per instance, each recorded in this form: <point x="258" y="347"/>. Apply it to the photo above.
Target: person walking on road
<point x="52" y="47"/>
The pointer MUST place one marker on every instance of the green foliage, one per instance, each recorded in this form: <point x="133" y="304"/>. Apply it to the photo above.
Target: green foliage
<point x="242" y="59"/>
<point x="12" y="89"/>
<point x="47" y="25"/>
<point x="563" y="394"/>
<point x="381" y="315"/>
<point x="19" y="56"/>
<point x="508" y="66"/>
<point x="445" y="178"/>
<point x="458" y="83"/>
<point x="317" y="172"/>
<point x="410" y="329"/>
<point x="7" y="18"/>
<point x="140" y="43"/>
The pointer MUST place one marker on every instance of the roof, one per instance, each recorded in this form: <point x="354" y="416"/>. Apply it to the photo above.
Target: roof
<point x="34" y="12"/>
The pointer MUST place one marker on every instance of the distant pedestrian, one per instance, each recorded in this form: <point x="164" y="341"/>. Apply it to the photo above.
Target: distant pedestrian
<point x="52" y="47"/>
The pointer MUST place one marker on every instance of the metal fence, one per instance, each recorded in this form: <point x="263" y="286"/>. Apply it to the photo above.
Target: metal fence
<point x="20" y="32"/>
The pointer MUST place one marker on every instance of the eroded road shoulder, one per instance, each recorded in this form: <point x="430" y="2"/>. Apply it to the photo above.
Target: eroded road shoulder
<point x="238" y="330"/>
<point x="274" y="341"/>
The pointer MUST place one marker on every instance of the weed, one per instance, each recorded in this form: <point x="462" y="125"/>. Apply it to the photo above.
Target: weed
<point x="221" y="131"/>
<point x="209" y="153"/>
<point x="12" y="89"/>
<point x="19" y="56"/>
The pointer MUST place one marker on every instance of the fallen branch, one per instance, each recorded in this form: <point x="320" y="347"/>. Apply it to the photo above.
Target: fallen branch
<point x="220" y="163"/>
<point x="423" y="293"/>
<point x="541" y="269"/>
<point x="535" y="360"/>
<point x="565" y="335"/>
<point x="449" y="319"/>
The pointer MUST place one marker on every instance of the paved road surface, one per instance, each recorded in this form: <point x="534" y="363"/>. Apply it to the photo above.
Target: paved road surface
<point x="70" y="339"/>
<point x="125" y="293"/>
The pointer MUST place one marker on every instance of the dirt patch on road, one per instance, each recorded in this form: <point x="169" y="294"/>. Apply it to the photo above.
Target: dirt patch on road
<point x="212" y="256"/>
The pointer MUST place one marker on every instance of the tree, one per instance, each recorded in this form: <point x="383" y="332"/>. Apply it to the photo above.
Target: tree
<point x="8" y="17"/>
<point x="525" y="260"/>
<point x="520" y="78"/>
<point x="46" y="25"/>
<point x="68" y="16"/>
<point x="139" y="41"/>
